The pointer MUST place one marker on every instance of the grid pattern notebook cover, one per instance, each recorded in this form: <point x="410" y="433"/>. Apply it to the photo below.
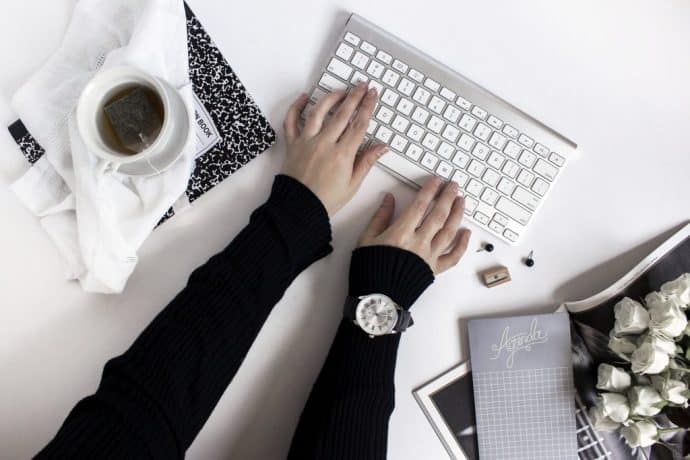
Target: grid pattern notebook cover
<point x="523" y="387"/>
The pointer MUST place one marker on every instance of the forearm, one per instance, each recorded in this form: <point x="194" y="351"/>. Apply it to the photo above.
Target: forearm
<point x="155" y="398"/>
<point x="347" y="414"/>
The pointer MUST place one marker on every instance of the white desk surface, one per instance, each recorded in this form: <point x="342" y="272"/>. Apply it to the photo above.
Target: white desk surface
<point x="613" y="76"/>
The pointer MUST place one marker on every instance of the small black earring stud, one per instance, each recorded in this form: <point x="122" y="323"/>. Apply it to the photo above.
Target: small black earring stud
<point x="529" y="261"/>
<point x="488" y="247"/>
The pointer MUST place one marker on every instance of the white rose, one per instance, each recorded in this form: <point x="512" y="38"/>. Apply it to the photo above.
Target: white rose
<point x="602" y="422"/>
<point x="621" y="345"/>
<point x="611" y="378"/>
<point x="673" y="391"/>
<point x="631" y="317"/>
<point x="645" y="401"/>
<point x="648" y="359"/>
<point x="679" y="287"/>
<point x="666" y="315"/>
<point x="666" y="345"/>
<point x="614" y="406"/>
<point x="640" y="434"/>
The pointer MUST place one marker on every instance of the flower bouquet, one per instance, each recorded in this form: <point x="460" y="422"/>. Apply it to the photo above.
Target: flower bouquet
<point x="652" y="340"/>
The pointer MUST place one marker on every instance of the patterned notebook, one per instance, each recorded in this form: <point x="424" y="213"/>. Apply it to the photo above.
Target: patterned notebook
<point x="231" y="130"/>
<point x="523" y="385"/>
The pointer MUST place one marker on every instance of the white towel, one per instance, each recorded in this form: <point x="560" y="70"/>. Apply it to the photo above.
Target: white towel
<point x="99" y="219"/>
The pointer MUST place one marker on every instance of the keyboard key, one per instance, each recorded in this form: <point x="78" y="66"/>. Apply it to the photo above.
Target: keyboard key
<point x="511" y="169"/>
<point x="460" y="178"/>
<point x="415" y="132"/>
<point x="400" y="124"/>
<point x="511" y="235"/>
<point x="496" y="227"/>
<point x="541" y="150"/>
<point x="352" y="38"/>
<point x="368" y="48"/>
<point x="384" y="115"/>
<point x="340" y="69"/>
<point x="360" y="60"/>
<point x="501" y="219"/>
<point x="525" y="198"/>
<point x="437" y="104"/>
<point x="400" y="66"/>
<point x="372" y="127"/>
<point x="405" y="106"/>
<point x="317" y="95"/>
<point x="416" y="75"/>
<point x="432" y="84"/>
<point x="375" y="69"/>
<point x="390" y="78"/>
<point x="491" y="177"/>
<point x="527" y="158"/>
<point x="420" y="115"/>
<point x="389" y="97"/>
<point x="461" y="159"/>
<point x="451" y="133"/>
<point x="481" y="151"/>
<point x="406" y="87"/>
<point x="384" y="134"/>
<point x="468" y="123"/>
<point x="430" y="141"/>
<point x="482" y="131"/>
<point x="446" y="150"/>
<point x="512" y="210"/>
<point x="474" y="188"/>
<point x="526" y="140"/>
<point x="463" y="103"/>
<point x="448" y="94"/>
<point x="444" y="170"/>
<point x="421" y="96"/>
<point x="546" y="170"/>
<point x="470" y="205"/>
<point x="540" y="187"/>
<point x="557" y="159"/>
<point x="495" y="122"/>
<point x="479" y="112"/>
<point x="358" y="77"/>
<point x="512" y="149"/>
<point x="435" y="124"/>
<point x="330" y="83"/>
<point x="384" y="57"/>
<point x="525" y="178"/>
<point x="497" y="141"/>
<point x="429" y="161"/>
<point x="481" y="218"/>
<point x="414" y="152"/>
<point x="399" y="143"/>
<point x="506" y="186"/>
<point x="451" y="114"/>
<point x="496" y="160"/>
<point x="489" y="196"/>
<point x="510" y="131"/>
<point x="376" y="85"/>
<point x="344" y="52"/>
<point x="466" y="142"/>
<point x="476" y="168"/>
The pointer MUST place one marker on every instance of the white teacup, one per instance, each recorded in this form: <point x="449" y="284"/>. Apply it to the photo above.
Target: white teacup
<point x="91" y="120"/>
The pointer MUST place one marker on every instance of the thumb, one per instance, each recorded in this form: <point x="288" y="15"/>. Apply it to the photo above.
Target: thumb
<point x="381" y="220"/>
<point x="365" y="161"/>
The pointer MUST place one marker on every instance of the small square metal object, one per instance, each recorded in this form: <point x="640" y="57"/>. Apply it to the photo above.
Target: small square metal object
<point x="496" y="276"/>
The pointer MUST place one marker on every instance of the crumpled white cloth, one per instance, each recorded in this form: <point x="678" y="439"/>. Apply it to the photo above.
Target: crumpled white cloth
<point x="96" y="217"/>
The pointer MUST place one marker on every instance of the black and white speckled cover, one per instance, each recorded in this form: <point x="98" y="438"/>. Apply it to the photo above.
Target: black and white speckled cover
<point x="244" y="132"/>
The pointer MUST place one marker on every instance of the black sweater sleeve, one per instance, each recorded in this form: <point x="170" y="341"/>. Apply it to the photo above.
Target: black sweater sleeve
<point x="347" y="413"/>
<point x="153" y="400"/>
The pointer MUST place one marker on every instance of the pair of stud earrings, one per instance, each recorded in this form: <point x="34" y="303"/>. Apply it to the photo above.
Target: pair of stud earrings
<point x="529" y="260"/>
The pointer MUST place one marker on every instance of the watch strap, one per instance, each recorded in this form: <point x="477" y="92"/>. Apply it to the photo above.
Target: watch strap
<point x="350" y="309"/>
<point x="404" y="321"/>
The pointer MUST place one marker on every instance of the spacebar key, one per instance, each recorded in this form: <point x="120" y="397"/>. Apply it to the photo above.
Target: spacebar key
<point x="513" y="211"/>
<point x="402" y="167"/>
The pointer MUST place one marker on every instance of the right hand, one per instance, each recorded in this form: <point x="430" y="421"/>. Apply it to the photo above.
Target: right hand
<point x="430" y="230"/>
<point x="323" y="155"/>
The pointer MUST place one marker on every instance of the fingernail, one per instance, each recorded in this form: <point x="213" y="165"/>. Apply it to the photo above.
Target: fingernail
<point x="383" y="151"/>
<point x="372" y="92"/>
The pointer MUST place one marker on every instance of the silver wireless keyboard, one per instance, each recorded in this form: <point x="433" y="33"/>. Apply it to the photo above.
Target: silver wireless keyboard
<point x="438" y="122"/>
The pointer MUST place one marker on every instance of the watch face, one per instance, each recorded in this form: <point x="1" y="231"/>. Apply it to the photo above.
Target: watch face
<point x="376" y="314"/>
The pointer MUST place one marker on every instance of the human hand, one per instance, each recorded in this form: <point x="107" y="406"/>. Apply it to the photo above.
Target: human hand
<point x="323" y="155"/>
<point x="430" y="230"/>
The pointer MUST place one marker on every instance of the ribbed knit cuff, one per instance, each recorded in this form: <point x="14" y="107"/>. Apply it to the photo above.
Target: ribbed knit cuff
<point x="303" y="217"/>
<point x="400" y="274"/>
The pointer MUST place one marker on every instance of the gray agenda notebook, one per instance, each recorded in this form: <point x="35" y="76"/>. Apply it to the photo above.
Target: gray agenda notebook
<point x="523" y="387"/>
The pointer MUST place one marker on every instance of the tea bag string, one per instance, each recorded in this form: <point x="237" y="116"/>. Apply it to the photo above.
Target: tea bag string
<point x="147" y="144"/>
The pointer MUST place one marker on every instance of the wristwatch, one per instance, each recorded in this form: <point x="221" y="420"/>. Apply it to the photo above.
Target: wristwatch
<point x="377" y="314"/>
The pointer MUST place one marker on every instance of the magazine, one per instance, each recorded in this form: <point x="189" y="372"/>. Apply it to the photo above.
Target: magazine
<point x="591" y="320"/>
